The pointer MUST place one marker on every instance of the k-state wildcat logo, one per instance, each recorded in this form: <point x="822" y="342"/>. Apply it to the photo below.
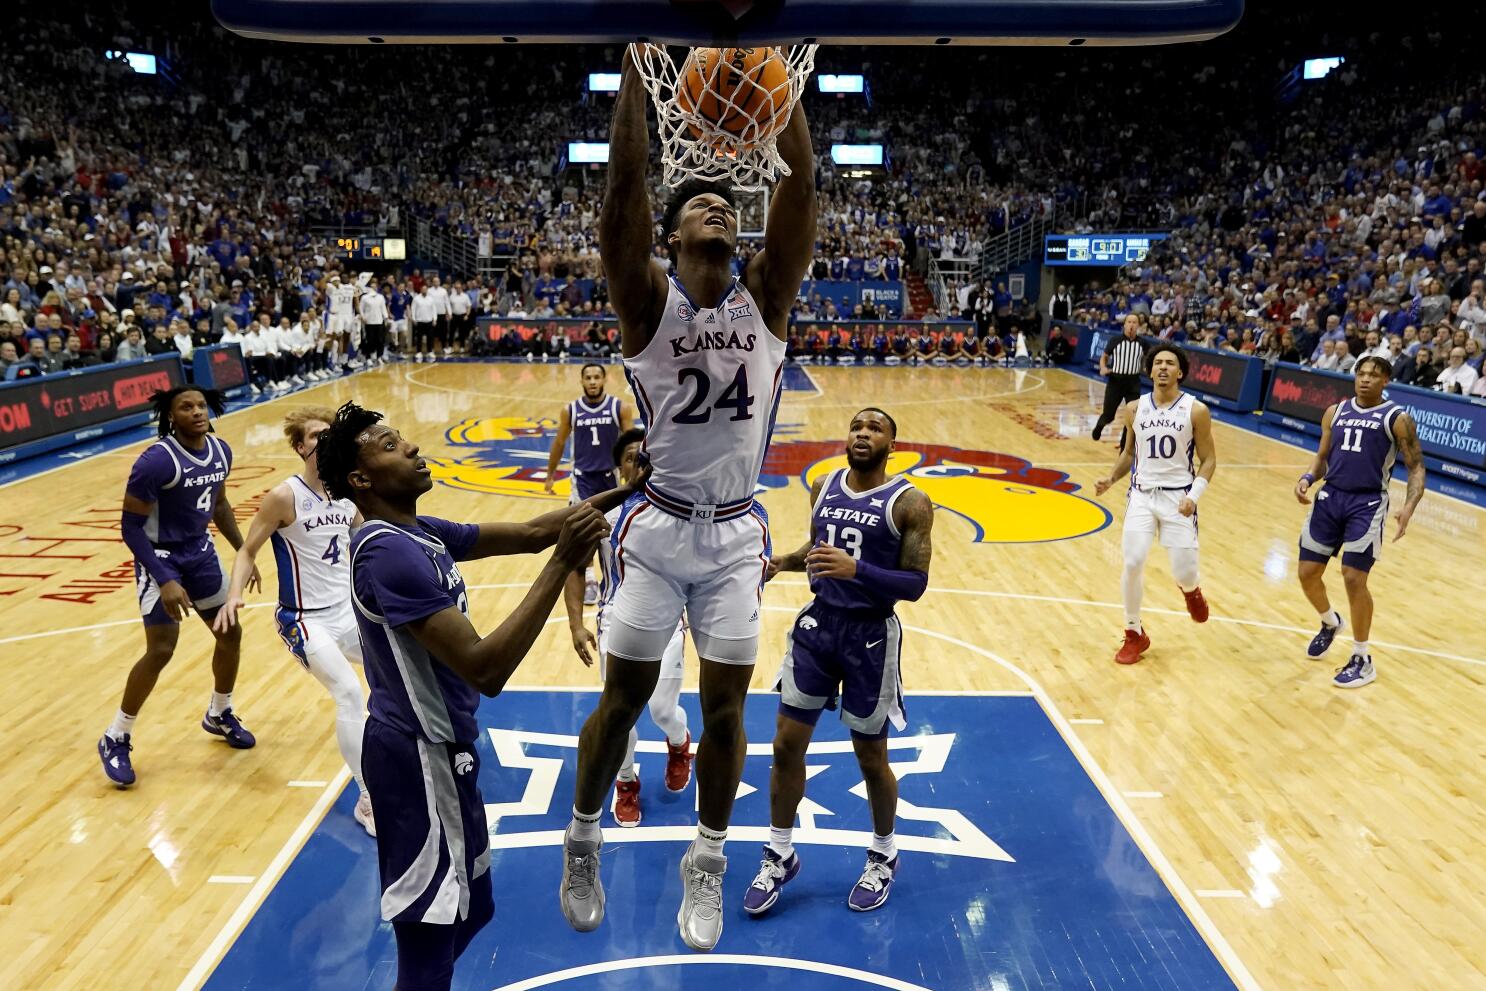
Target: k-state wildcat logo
<point x="1008" y="500"/>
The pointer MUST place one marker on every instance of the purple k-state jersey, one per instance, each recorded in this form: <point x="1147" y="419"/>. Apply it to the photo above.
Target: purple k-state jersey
<point x="595" y="431"/>
<point x="399" y="576"/>
<point x="1362" y="446"/>
<point x="860" y="523"/>
<point x="182" y="484"/>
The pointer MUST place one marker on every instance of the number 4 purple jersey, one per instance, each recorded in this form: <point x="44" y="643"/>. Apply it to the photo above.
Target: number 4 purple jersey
<point x="183" y="485"/>
<point x="860" y="523"/>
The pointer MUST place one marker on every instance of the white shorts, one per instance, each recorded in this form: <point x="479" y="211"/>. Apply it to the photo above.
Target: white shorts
<point x="399" y="329"/>
<point x="713" y="572"/>
<point x="1155" y="511"/>
<point x="672" y="662"/>
<point x="308" y="631"/>
<point x="340" y="323"/>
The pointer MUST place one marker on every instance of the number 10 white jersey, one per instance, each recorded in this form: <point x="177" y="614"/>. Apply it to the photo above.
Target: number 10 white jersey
<point x="707" y="386"/>
<point x="314" y="552"/>
<point x="1164" y="444"/>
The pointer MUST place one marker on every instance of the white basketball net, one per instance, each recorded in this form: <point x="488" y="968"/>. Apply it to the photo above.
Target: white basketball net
<point x="693" y="146"/>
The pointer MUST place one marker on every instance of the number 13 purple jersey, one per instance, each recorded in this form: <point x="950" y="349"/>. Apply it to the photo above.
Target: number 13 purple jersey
<point x="861" y="524"/>
<point x="707" y="386"/>
<point x="1362" y="446"/>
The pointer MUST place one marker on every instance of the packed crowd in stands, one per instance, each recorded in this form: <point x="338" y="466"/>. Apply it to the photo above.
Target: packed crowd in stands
<point x="202" y="201"/>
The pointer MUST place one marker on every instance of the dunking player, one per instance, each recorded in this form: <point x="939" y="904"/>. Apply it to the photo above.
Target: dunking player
<point x="869" y="548"/>
<point x="311" y="537"/>
<point x="704" y="351"/>
<point x="427" y="668"/>
<point x="1348" y="515"/>
<point x="594" y="420"/>
<point x="176" y="488"/>
<point x="1161" y="431"/>
<point x="665" y="708"/>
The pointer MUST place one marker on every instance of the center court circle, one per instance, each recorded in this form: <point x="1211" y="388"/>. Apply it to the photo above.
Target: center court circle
<point x="836" y="977"/>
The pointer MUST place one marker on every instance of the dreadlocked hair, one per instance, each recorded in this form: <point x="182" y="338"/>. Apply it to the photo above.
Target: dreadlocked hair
<point x="338" y="451"/>
<point x="163" y="399"/>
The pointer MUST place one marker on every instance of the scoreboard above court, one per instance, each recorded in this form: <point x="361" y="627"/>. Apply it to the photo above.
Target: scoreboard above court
<point x="1097" y="249"/>
<point x="373" y="249"/>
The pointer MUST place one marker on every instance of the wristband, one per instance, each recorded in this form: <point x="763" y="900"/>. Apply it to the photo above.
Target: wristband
<point x="1308" y="479"/>
<point x="1198" y="487"/>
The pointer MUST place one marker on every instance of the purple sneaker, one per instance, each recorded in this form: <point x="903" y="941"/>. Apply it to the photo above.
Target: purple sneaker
<point x="115" y="757"/>
<point x="772" y="876"/>
<point x="875" y="884"/>
<point x="230" y="729"/>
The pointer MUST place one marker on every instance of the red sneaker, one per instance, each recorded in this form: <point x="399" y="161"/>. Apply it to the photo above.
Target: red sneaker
<point x="678" y="765"/>
<point x="1135" y="645"/>
<point x="1196" y="605"/>
<point x="626" y="803"/>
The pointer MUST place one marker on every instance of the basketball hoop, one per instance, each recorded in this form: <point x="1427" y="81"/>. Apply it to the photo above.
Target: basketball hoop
<point x="694" y="146"/>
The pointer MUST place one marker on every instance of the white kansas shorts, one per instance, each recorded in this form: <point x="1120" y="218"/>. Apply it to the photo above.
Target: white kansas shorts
<point x="311" y="631"/>
<point x="340" y="323"/>
<point x="1155" y="511"/>
<point x="710" y="571"/>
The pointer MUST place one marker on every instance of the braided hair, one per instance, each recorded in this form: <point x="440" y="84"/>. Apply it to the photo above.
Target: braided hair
<point x="164" y="399"/>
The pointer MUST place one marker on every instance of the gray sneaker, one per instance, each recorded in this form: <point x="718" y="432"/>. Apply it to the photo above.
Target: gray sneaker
<point x="581" y="892"/>
<point x="700" y="918"/>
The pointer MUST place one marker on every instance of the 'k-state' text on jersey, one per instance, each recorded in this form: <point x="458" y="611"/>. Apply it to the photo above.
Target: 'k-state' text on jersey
<point x="860" y="523"/>
<point x="1362" y="446"/>
<point x="595" y="431"/>
<point x="183" y="485"/>
<point x="399" y="576"/>
<point x="707" y="385"/>
<point x="314" y="552"/>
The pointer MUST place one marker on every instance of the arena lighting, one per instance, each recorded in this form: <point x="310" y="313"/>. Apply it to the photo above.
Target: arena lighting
<point x="857" y="154"/>
<point x="1317" y="68"/>
<point x="849" y="83"/>
<point x="588" y="152"/>
<point x="603" y="82"/>
<point x="141" y="62"/>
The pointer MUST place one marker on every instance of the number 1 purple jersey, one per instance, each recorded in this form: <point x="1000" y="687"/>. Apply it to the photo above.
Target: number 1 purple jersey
<point x="595" y="431"/>
<point x="182" y="484"/>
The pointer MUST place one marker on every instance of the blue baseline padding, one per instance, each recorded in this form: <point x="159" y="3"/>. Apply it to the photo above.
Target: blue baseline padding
<point x="1077" y="906"/>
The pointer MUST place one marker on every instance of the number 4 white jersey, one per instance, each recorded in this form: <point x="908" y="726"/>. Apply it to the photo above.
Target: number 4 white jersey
<point x="707" y="386"/>
<point x="313" y="553"/>
<point x="1164" y="444"/>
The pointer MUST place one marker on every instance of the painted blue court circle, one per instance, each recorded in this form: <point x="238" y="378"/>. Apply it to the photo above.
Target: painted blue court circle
<point x="1015" y="873"/>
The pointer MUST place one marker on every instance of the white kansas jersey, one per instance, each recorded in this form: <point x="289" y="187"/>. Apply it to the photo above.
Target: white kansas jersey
<point x="342" y="300"/>
<point x="1164" y="444"/>
<point x="707" y="386"/>
<point x="313" y="552"/>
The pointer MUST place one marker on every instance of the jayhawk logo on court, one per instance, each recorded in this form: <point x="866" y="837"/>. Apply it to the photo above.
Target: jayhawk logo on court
<point x="1006" y="499"/>
<point x="507" y="455"/>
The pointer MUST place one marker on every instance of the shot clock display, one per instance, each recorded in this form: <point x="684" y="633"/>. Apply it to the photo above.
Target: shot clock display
<point x="373" y="249"/>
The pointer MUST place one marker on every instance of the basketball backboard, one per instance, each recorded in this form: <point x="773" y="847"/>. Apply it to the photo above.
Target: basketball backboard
<point x="709" y="22"/>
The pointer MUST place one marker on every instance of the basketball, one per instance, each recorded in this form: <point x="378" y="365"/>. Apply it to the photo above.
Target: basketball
<point x="733" y="88"/>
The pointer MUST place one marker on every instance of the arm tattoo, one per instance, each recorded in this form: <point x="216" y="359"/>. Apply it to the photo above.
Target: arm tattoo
<point x="1408" y="444"/>
<point x="914" y="516"/>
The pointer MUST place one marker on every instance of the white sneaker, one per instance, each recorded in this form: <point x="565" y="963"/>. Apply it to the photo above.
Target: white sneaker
<point x="363" y="814"/>
<point x="297" y="380"/>
<point x="281" y="386"/>
<point x="253" y="390"/>
<point x="418" y="357"/>
<point x="700" y="917"/>
<point x="448" y="351"/>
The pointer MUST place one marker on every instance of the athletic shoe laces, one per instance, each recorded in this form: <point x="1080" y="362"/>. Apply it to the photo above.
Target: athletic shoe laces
<point x="706" y="891"/>
<point x="877" y="874"/>
<point x="581" y="871"/>
<point x="771" y="870"/>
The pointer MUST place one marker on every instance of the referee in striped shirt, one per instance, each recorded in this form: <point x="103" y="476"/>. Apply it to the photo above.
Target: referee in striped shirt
<point x="1121" y="364"/>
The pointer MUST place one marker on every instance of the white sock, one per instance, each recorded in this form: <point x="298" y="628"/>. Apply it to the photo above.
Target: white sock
<point x="221" y="702"/>
<point x="121" y="727"/>
<point x="627" y="773"/>
<point x="885" y="846"/>
<point x="781" y="841"/>
<point x="1360" y="647"/>
<point x="585" y="825"/>
<point x="1134" y="624"/>
<point x="1331" y="618"/>
<point x="710" y="840"/>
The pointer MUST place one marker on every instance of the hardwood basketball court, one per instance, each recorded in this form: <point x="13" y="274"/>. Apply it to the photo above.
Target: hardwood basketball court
<point x="1317" y="838"/>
